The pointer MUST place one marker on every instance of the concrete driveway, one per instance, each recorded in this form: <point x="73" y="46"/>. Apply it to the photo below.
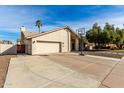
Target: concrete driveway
<point x="63" y="70"/>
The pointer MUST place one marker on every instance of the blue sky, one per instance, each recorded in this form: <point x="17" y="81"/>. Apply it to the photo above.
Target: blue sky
<point x="13" y="17"/>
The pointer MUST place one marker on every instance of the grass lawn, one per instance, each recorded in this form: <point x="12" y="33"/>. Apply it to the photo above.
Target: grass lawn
<point x="120" y="50"/>
<point x="107" y="53"/>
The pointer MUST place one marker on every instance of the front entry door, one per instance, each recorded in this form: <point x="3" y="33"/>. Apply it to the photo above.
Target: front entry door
<point x="73" y="46"/>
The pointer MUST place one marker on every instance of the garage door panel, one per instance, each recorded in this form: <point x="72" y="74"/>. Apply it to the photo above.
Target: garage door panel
<point x="44" y="47"/>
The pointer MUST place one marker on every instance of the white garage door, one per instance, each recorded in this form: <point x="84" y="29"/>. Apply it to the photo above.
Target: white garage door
<point x="48" y="47"/>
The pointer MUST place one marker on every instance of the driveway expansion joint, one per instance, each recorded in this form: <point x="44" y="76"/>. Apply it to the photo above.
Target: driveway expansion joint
<point x="109" y="73"/>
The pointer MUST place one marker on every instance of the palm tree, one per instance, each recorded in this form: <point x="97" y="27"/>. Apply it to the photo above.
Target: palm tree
<point x="39" y="24"/>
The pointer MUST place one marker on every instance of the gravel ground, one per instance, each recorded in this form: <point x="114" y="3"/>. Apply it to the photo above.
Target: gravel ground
<point x="105" y="53"/>
<point x="4" y="63"/>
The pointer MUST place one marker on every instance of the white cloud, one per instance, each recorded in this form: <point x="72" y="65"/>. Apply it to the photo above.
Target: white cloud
<point x="7" y="37"/>
<point x="116" y="19"/>
<point x="12" y="18"/>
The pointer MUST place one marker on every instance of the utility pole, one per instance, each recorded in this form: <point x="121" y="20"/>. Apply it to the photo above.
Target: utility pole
<point x="81" y="33"/>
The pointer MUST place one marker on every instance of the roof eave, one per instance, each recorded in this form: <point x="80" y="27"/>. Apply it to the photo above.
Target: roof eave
<point x="40" y="34"/>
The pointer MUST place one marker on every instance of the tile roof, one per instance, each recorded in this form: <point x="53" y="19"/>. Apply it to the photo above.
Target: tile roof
<point x="28" y="34"/>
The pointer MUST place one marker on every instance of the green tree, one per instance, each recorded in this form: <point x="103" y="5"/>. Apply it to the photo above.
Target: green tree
<point x="93" y="35"/>
<point x="39" y="24"/>
<point x="99" y="36"/>
<point x="105" y="37"/>
<point x="110" y="32"/>
<point x="108" y="35"/>
<point x="119" y="41"/>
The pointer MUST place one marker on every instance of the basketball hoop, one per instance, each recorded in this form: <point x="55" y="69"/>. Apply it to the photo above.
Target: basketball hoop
<point x="81" y="33"/>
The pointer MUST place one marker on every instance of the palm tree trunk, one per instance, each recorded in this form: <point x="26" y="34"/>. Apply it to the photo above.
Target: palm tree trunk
<point x="39" y="29"/>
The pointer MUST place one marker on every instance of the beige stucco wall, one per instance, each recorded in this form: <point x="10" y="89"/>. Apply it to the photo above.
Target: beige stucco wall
<point x="8" y="49"/>
<point x="62" y="36"/>
<point x="34" y="48"/>
<point x="76" y="44"/>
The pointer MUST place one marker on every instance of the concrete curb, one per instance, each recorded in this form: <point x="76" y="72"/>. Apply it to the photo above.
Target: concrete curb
<point x="108" y="58"/>
<point x="122" y="59"/>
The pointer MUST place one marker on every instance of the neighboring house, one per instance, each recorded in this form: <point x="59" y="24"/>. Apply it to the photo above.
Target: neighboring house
<point x="89" y="46"/>
<point x="54" y="41"/>
<point x="5" y="42"/>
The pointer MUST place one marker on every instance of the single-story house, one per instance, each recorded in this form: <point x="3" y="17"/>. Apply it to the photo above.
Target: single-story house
<point x="53" y="41"/>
